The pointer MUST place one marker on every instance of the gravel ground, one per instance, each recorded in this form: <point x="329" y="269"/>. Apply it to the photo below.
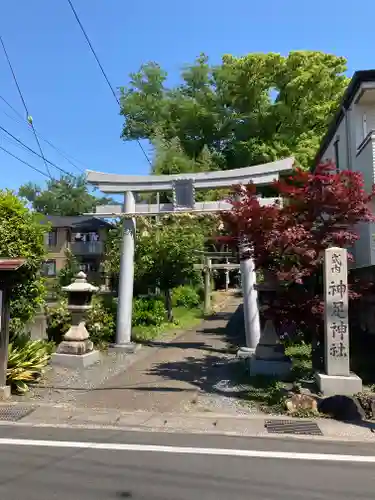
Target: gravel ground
<point x="226" y="396"/>
<point x="64" y="385"/>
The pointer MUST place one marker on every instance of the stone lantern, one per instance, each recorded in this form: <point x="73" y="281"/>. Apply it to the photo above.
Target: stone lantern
<point x="269" y="357"/>
<point x="76" y="350"/>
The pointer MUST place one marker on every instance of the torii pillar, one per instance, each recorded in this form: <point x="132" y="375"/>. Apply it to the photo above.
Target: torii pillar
<point x="250" y="302"/>
<point x="126" y="278"/>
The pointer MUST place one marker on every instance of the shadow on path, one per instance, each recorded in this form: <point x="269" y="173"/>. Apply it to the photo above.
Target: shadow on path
<point x="211" y="373"/>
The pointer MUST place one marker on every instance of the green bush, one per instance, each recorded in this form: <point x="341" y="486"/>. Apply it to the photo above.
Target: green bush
<point x="69" y="271"/>
<point x="22" y="235"/>
<point x="26" y="362"/>
<point x="185" y="296"/>
<point x="301" y="354"/>
<point x="58" y="321"/>
<point x="101" y="319"/>
<point x="100" y="323"/>
<point x="149" y="311"/>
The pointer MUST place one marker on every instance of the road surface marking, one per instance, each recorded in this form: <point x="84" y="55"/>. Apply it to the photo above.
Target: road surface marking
<point x="188" y="450"/>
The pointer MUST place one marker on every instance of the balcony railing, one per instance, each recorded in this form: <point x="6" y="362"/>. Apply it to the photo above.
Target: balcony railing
<point x="87" y="247"/>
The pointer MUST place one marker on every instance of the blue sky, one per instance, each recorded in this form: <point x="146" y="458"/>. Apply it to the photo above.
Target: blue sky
<point x="68" y="98"/>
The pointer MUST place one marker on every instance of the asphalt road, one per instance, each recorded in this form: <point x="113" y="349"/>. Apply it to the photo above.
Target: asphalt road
<point x="94" y="464"/>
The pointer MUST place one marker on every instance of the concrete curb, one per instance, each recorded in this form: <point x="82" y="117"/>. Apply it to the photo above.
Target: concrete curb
<point x="246" y="426"/>
<point x="248" y="435"/>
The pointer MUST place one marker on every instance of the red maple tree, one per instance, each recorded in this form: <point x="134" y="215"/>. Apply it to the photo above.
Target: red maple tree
<point x="317" y="210"/>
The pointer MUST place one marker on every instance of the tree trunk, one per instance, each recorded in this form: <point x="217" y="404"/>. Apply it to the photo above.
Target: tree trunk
<point x="168" y="305"/>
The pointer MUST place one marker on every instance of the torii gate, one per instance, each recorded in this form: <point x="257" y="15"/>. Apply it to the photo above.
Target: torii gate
<point x="183" y="187"/>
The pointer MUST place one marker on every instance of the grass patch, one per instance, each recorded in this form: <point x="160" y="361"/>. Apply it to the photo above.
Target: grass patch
<point x="269" y="394"/>
<point x="183" y="319"/>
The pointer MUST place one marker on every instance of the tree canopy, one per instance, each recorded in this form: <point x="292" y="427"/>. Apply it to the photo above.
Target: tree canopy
<point x="22" y="235"/>
<point x="68" y="195"/>
<point x="245" y="111"/>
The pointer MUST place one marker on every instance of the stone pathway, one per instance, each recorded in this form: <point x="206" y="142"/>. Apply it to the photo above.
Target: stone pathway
<point x="195" y="372"/>
<point x="175" y="373"/>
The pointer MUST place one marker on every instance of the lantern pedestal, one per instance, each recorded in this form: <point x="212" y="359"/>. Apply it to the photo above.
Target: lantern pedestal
<point x="74" y="360"/>
<point x="269" y="357"/>
<point x="76" y="350"/>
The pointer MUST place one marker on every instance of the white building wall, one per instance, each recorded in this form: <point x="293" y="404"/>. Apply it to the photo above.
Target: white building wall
<point x="329" y="154"/>
<point x="361" y="152"/>
<point x="364" y="161"/>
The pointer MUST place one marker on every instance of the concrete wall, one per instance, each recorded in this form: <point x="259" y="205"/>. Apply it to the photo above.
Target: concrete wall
<point x="38" y="327"/>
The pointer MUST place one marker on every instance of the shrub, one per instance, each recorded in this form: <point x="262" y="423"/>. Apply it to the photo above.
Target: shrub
<point x="101" y="319"/>
<point x="58" y="321"/>
<point x="26" y="362"/>
<point x="68" y="272"/>
<point x="22" y="235"/>
<point x="318" y="209"/>
<point x="185" y="296"/>
<point x="148" y="311"/>
<point x="301" y="354"/>
<point x="100" y="323"/>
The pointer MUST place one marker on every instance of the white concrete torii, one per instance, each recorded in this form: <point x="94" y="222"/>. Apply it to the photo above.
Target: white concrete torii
<point x="183" y="187"/>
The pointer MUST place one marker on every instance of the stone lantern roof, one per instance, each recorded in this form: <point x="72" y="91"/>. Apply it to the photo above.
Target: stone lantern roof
<point x="80" y="284"/>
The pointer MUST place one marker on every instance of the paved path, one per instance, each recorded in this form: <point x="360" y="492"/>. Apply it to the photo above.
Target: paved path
<point x="89" y="465"/>
<point x="174" y="372"/>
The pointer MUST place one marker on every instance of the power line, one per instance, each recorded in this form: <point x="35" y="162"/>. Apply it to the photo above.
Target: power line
<point x="24" y="105"/>
<point x="102" y="69"/>
<point x="60" y="151"/>
<point x="64" y="154"/>
<point x="23" y="161"/>
<point x="34" y="152"/>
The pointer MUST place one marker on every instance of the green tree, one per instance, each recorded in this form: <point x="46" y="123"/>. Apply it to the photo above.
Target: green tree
<point x="166" y="254"/>
<point x="69" y="271"/>
<point x="170" y="158"/>
<point x="68" y="195"/>
<point x="22" y="235"/>
<point x="165" y="251"/>
<point x="245" y="111"/>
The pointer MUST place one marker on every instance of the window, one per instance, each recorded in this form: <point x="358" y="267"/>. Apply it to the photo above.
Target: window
<point x="364" y="125"/>
<point x="89" y="267"/>
<point x="85" y="237"/>
<point x="52" y="238"/>
<point x="337" y="162"/>
<point x="49" y="268"/>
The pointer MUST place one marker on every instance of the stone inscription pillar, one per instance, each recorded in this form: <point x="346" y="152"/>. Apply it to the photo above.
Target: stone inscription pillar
<point x="337" y="378"/>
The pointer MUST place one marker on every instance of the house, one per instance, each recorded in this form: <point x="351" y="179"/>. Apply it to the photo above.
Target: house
<point x="83" y="235"/>
<point x="350" y="143"/>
